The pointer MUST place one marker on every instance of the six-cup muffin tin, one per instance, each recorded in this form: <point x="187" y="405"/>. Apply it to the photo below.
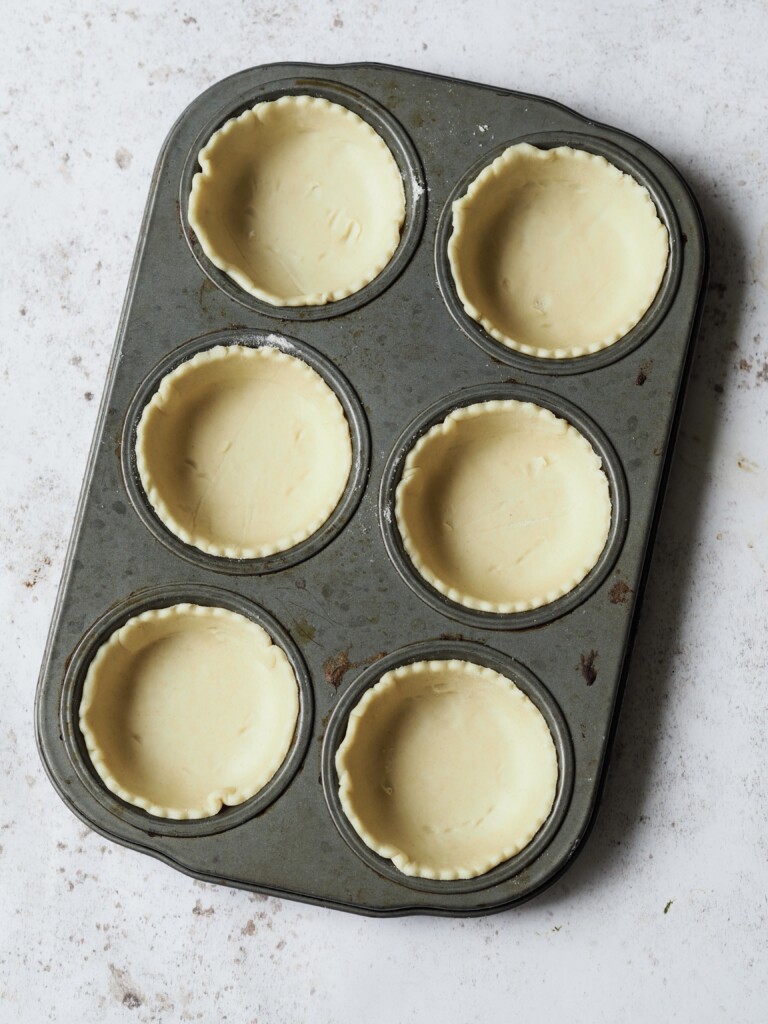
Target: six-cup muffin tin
<point x="346" y="605"/>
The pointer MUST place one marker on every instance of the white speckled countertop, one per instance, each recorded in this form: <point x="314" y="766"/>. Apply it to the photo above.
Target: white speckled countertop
<point x="663" y="917"/>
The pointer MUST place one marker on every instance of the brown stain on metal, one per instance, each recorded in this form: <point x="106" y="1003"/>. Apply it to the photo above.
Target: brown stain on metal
<point x="642" y="373"/>
<point x="205" y="286"/>
<point x="337" y="666"/>
<point x="458" y="636"/>
<point x="305" y="631"/>
<point x="619" y="592"/>
<point x="587" y="667"/>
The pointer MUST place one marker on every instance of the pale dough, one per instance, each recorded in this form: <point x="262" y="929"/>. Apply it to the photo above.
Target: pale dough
<point x="556" y="252"/>
<point x="299" y="201"/>
<point x="503" y="506"/>
<point x="243" y="452"/>
<point x="187" y="708"/>
<point x="447" y="769"/>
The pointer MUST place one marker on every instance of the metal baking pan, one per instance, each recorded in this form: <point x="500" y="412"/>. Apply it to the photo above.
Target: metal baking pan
<point x="345" y="605"/>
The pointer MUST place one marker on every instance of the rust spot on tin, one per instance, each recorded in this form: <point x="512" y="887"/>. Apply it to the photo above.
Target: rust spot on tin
<point x="643" y="372"/>
<point x="619" y="592"/>
<point x="587" y="667"/>
<point x="337" y="666"/>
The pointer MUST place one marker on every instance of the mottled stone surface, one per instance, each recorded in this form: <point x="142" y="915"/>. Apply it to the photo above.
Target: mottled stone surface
<point x="664" y="915"/>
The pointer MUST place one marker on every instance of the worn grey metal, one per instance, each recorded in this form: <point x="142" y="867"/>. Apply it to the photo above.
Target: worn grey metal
<point x="394" y="353"/>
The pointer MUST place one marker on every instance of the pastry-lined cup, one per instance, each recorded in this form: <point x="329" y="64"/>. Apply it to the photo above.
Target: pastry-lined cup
<point x="503" y="507"/>
<point x="188" y="708"/>
<point x="243" y="452"/>
<point x="299" y="200"/>
<point x="447" y="769"/>
<point x="556" y="253"/>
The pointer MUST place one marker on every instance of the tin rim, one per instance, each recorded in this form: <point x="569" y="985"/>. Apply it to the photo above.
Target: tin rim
<point x="348" y="502"/>
<point x="400" y="146"/>
<point x="651" y="319"/>
<point x="525" y="680"/>
<point x="72" y="689"/>
<point x="532" y="617"/>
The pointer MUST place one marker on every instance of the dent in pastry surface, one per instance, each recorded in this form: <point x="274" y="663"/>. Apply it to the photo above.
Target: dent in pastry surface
<point x="243" y="451"/>
<point x="447" y="769"/>
<point x="299" y="201"/>
<point x="503" y="506"/>
<point x="556" y="252"/>
<point x="187" y="708"/>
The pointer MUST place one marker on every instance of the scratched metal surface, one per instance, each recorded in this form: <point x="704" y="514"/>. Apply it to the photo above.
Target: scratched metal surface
<point x="401" y="351"/>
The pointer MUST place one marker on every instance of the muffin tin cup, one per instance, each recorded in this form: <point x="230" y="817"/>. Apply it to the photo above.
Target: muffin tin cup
<point x="350" y="498"/>
<point x="655" y="314"/>
<point x="612" y="467"/>
<point x="346" y="604"/>
<point x="526" y="681"/>
<point x="402" y="150"/>
<point x="72" y="690"/>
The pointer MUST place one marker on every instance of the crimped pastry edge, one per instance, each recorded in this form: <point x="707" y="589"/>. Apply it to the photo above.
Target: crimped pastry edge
<point x="99" y="758"/>
<point x="517" y="153"/>
<point x="389" y="851"/>
<point x="157" y="402"/>
<point x="242" y="279"/>
<point x="453" y="593"/>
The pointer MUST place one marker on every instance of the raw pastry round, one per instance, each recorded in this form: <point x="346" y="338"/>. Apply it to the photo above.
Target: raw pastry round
<point x="299" y="201"/>
<point x="187" y="708"/>
<point x="556" y="252"/>
<point x="447" y="769"/>
<point x="243" y="452"/>
<point x="503" y="506"/>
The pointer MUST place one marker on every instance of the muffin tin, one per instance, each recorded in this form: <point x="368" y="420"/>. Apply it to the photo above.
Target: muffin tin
<point x="346" y="605"/>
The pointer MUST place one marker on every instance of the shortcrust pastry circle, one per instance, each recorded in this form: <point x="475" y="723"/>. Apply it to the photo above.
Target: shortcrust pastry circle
<point x="243" y="452"/>
<point x="188" y="708"/>
<point x="299" y="200"/>
<point x="447" y="769"/>
<point x="503" y="506"/>
<point x="556" y="253"/>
